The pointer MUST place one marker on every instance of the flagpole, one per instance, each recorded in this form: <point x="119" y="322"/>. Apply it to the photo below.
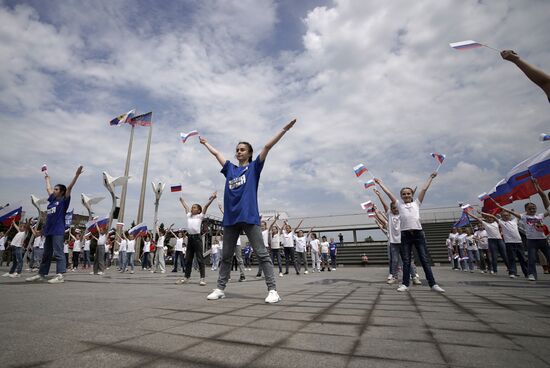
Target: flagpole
<point x="438" y="166"/>
<point x="126" y="172"/>
<point x="143" y="186"/>
<point x="489" y="47"/>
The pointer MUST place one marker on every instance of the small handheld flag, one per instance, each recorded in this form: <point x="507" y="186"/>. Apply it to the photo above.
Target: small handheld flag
<point x="44" y="168"/>
<point x="101" y="222"/>
<point x="138" y="230"/>
<point x="359" y="170"/>
<point x="143" y="119"/>
<point x="366" y="205"/>
<point x="544" y="137"/>
<point x="469" y="44"/>
<point x="10" y="214"/>
<point x="440" y="158"/>
<point x="483" y="196"/>
<point x="175" y="188"/>
<point x="467" y="207"/>
<point x="369" y="183"/>
<point x="122" y="118"/>
<point x="184" y="136"/>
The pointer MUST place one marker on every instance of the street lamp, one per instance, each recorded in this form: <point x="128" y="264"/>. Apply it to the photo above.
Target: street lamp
<point x="87" y="202"/>
<point x="110" y="183"/>
<point x="157" y="189"/>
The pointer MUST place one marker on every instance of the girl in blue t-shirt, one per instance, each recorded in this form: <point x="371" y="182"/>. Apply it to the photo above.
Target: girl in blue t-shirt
<point x="54" y="229"/>
<point x="241" y="210"/>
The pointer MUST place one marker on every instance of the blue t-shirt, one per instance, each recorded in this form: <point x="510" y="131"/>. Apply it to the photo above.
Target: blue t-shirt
<point x="240" y="202"/>
<point x="55" y="220"/>
<point x="247" y="251"/>
<point x="332" y="248"/>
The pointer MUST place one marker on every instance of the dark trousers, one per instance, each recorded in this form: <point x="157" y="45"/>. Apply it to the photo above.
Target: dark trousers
<point x="277" y="253"/>
<point x="416" y="239"/>
<point x="76" y="255"/>
<point x="532" y="246"/>
<point x="514" y="250"/>
<point x="194" y="249"/>
<point x="496" y="246"/>
<point x="289" y="257"/>
<point x="179" y="257"/>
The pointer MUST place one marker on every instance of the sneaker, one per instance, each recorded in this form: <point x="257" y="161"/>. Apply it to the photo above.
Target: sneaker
<point x="471" y="271"/>
<point x="334" y="269"/>
<point x="35" y="278"/>
<point x="100" y="273"/>
<point x="512" y="276"/>
<point x="242" y="278"/>
<point x="272" y="297"/>
<point x="416" y="281"/>
<point x="258" y="276"/>
<point x="162" y="271"/>
<point x="493" y="272"/>
<point x="531" y="278"/>
<point x="297" y="273"/>
<point x="152" y="271"/>
<point x="391" y="281"/>
<point x="402" y="288"/>
<point x="14" y="275"/>
<point x="305" y="272"/>
<point x="482" y="271"/>
<point x="438" y="288"/>
<point x="92" y="273"/>
<point x="390" y="276"/>
<point x="185" y="280"/>
<point x="57" y="279"/>
<point x="202" y="282"/>
<point x="216" y="294"/>
<point x="280" y="274"/>
<point x="7" y="274"/>
<point x="132" y="271"/>
<point x="286" y="273"/>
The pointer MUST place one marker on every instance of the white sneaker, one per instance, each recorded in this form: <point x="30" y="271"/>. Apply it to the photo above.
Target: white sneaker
<point x="438" y="288"/>
<point x="162" y="271"/>
<point x="416" y="281"/>
<point x="402" y="288"/>
<point x="100" y="273"/>
<point x="512" y="276"/>
<point x="272" y="297"/>
<point x="216" y="294"/>
<point x="202" y="282"/>
<point x="532" y="278"/>
<point x="305" y="272"/>
<point x="57" y="279"/>
<point x="185" y="280"/>
<point x="7" y="274"/>
<point x="482" y="271"/>
<point x="14" y="275"/>
<point x="492" y="272"/>
<point x="35" y="278"/>
<point x="280" y="274"/>
<point x="390" y="276"/>
<point x="391" y="281"/>
<point x="91" y="273"/>
<point x="132" y="271"/>
<point x="334" y="269"/>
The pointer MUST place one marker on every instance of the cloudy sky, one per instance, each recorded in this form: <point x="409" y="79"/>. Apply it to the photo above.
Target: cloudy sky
<point x="369" y="81"/>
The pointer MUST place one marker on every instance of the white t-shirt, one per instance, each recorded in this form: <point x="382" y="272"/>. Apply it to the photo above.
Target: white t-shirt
<point x="533" y="226"/>
<point x="102" y="239"/>
<point x="288" y="239"/>
<point x="461" y="240"/>
<point x="123" y="245"/>
<point x="39" y="242"/>
<point x="470" y="243"/>
<point x="18" y="239"/>
<point x="324" y="247"/>
<point x="215" y="248"/>
<point x="300" y="243"/>
<point x="146" y="247"/>
<point x="453" y="237"/>
<point x="160" y="241"/>
<point x="65" y="247"/>
<point x="276" y="241"/>
<point x="394" y="224"/>
<point x="510" y="231"/>
<point x="131" y="247"/>
<point x="87" y="244"/>
<point x="76" y="246"/>
<point x="179" y="245"/>
<point x="265" y="237"/>
<point x="194" y="223"/>
<point x="314" y="245"/>
<point x="492" y="230"/>
<point x="481" y="239"/>
<point x="3" y="243"/>
<point x="409" y="214"/>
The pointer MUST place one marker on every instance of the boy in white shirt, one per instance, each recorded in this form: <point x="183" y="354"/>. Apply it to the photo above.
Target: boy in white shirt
<point x="17" y="251"/>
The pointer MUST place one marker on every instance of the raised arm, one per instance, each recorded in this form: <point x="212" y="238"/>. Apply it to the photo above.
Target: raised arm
<point x="221" y="159"/>
<point x="274" y="222"/>
<point x="79" y="171"/>
<point x="273" y="141"/>
<point x="297" y="227"/>
<point x="377" y="192"/>
<point x="424" y="189"/>
<point x="16" y="226"/>
<point x="476" y="217"/>
<point x="537" y="76"/>
<point x="49" y="188"/>
<point x="516" y="215"/>
<point x="489" y="215"/>
<point x="220" y="207"/>
<point x="210" y="200"/>
<point x="539" y="190"/>
<point x="390" y="195"/>
<point x="184" y="204"/>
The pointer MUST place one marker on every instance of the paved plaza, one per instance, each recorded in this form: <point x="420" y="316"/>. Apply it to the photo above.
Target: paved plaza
<point x="346" y="318"/>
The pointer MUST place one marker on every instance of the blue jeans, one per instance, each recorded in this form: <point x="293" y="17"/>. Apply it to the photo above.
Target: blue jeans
<point x="37" y="257"/>
<point x="86" y="258"/>
<point x="394" y="258"/>
<point x="463" y="254"/>
<point x="532" y="246"/>
<point x="53" y="246"/>
<point x="277" y="253"/>
<point x="130" y="259"/>
<point x="513" y="250"/>
<point x="494" y="246"/>
<point x="179" y="259"/>
<point x="123" y="260"/>
<point x="473" y="256"/>
<point x="17" y="260"/>
<point x="410" y="238"/>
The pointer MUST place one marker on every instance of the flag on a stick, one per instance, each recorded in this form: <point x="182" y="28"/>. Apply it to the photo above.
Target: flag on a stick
<point x="439" y="157"/>
<point x="101" y="222"/>
<point x="175" y="188"/>
<point x="359" y="170"/>
<point x="465" y="45"/>
<point x="369" y="183"/>
<point x="184" y="136"/>
<point x="483" y="197"/>
<point x="10" y="214"/>
<point x="138" y="230"/>
<point x="366" y="205"/>
<point x="463" y="221"/>
<point x="544" y="137"/>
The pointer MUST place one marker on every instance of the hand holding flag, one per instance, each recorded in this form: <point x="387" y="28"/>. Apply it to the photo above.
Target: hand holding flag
<point x="369" y="183"/>
<point x="45" y="170"/>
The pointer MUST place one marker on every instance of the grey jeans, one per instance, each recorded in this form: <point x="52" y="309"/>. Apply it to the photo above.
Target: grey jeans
<point x="99" y="259"/>
<point x="159" y="259"/>
<point x="254" y="234"/>
<point x="301" y="256"/>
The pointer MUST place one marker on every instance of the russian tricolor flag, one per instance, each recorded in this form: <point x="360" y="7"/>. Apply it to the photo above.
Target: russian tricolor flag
<point x="143" y="119"/>
<point x="438" y="156"/>
<point x="101" y="222"/>
<point x="138" y="230"/>
<point x="10" y="214"/>
<point x="184" y="136"/>
<point x="544" y="137"/>
<point x="359" y="170"/>
<point x="175" y="188"/>
<point x="483" y="197"/>
<point x="467" y="207"/>
<point x="465" y="45"/>
<point x="366" y="205"/>
<point x="369" y="183"/>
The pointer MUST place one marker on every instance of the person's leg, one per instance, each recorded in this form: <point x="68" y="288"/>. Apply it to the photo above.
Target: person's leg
<point x="405" y="252"/>
<point x="521" y="259"/>
<point x="100" y="256"/>
<point x="420" y="244"/>
<point x="394" y="259"/>
<point x="279" y="259"/>
<point x="542" y="246"/>
<point x="493" y="245"/>
<point x="287" y="258"/>
<point x="176" y="258"/>
<point x="75" y="260"/>
<point x="471" y="260"/>
<point x="161" y="260"/>
<point x="254" y="234"/>
<point x="131" y="260"/>
<point x="199" y="256"/>
<point x="293" y="260"/>
<point x="511" y="255"/>
<point x="189" y="254"/>
<point x="239" y="257"/>
<point x="124" y="259"/>
<point x="502" y="252"/>
<point x="18" y="259"/>
<point x="532" y="257"/>
<point x="462" y="259"/>
<point x="61" y="261"/>
<point x="297" y="258"/>
<point x="230" y="235"/>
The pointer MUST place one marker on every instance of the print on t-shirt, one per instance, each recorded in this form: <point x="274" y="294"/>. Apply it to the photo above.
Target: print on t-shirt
<point x="237" y="182"/>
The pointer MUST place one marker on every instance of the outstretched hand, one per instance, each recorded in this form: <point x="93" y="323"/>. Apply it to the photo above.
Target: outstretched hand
<point x="79" y="170"/>
<point x="289" y="125"/>
<point x="509" y="55"/>
<point x="433" y="175"/>
<point x="202" y="140"/>
<point x="213" y="196"/>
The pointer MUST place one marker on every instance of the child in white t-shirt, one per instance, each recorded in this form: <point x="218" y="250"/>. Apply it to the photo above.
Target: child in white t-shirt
<point x="17" y="250"/>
